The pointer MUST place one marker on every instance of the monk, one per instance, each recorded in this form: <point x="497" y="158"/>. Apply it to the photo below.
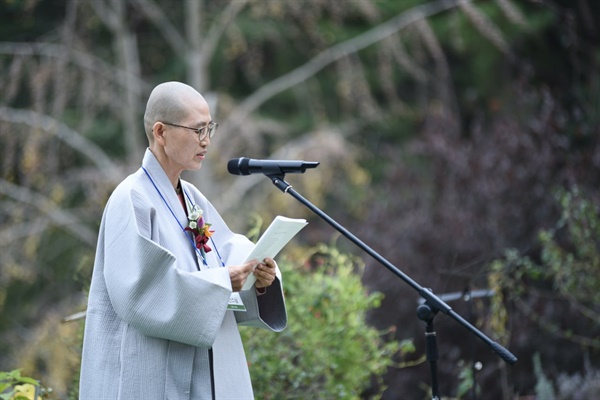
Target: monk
<point x="165" y="299"/>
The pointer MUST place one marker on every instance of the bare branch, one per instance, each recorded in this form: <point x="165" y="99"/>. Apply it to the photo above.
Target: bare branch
<point x="512" y="12"/>
<point x="84" y="60"/>
<point x="194" y="59"/>
<point x="403" y="58"/>
<point x="61" y="217"/>
<point x="435" y="48"/>
<point x="128" y="49"/>
<point x="125" y="44"/>
<point x="68" y="136"/>
<point x="216" y="31"/>
<point x="338" y="51"/>
<point x="356" y="89"/>
<point x="107" y="16"/>
<point x="14" y="233"/>
<point x="487" y="28"/>
<point x="162" y="23"/>
<point x="10" y="81"/>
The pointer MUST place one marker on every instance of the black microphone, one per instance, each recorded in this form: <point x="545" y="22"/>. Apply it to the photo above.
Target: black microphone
<point x="247" y="166"/>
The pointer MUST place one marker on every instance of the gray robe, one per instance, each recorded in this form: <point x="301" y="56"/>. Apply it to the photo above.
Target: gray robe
<point x="152" y="315"/>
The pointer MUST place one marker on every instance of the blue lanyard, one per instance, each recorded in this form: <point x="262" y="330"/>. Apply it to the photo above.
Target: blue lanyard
<point x="189" y="199"/>
<point x="179" y="223"/>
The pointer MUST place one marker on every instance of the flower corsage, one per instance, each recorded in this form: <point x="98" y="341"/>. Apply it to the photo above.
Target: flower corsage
<point x="200" y="229"/>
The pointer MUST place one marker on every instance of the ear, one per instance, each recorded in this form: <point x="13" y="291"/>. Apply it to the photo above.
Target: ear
<point x="158" y="132"/>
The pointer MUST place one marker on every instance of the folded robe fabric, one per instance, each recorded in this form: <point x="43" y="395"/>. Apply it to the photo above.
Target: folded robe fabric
<point x="154" y="310"/>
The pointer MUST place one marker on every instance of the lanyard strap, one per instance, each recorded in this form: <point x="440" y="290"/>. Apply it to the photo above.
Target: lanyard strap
<point x="190" y="203"/>
<point x="179" y="223"/>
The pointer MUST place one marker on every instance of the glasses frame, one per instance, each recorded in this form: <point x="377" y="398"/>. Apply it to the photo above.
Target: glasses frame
<point x="202" y="132"/>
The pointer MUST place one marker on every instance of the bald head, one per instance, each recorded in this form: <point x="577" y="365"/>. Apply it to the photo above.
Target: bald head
<point x="170" y="102"/>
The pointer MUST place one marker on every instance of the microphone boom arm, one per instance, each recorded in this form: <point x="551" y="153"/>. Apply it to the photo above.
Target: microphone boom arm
<point x="434" y="302"/>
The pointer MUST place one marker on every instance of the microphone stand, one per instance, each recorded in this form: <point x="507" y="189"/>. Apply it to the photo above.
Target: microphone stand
<point x="425" y="312"/>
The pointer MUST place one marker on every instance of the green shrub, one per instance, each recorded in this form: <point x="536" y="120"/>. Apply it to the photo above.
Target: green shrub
<point x="568" y="271"/>
<point x="14" y="386"/>
<point x="327" y="351"/>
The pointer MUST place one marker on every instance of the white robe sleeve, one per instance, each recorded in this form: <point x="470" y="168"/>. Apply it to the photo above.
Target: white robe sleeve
<point x="267" y="311"/>
<point x="145" y="286"/>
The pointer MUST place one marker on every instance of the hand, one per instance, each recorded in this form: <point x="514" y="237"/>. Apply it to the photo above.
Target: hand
<point x="239" y="273"/>
<point x="265" y="273"/>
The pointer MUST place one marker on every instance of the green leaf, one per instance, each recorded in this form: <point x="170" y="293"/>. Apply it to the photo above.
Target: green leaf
<point x="15" y="374"/>
<point x="328" y="304"/>
<point x="25" y="379"/>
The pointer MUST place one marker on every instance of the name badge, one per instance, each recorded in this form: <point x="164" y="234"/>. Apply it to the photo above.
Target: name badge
<point x="236" y="303"/>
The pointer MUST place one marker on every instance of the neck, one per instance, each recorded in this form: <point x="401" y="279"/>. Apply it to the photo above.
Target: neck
<point x="172" y="172"/>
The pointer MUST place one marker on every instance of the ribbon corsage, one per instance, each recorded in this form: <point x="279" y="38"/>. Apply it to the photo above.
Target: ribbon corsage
<point x="200" y="229"/>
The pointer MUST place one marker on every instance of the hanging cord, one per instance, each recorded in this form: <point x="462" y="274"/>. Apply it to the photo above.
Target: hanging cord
<point x="179" y="223"/>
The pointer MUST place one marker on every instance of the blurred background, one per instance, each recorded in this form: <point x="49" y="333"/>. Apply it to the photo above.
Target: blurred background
<point x="459" y="139"/>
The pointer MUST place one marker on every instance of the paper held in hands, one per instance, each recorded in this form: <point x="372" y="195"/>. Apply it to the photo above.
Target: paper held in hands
<point x="277" y="235"/>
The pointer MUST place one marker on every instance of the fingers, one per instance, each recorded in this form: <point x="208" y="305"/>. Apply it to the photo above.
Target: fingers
<point x="249" y="266"/>
<point x="239" y="273"/>
<point x="265" y="273"/>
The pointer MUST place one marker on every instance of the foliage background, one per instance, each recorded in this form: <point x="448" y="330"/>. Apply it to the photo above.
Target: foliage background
<point x="444" y="130"/>
<point x="327" y="351"/>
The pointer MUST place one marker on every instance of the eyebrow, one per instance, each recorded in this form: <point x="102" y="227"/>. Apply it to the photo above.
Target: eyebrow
<point x="202" y="125"/>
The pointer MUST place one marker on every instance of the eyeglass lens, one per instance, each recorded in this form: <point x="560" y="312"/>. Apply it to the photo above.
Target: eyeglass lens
<point x="209" y="130"/>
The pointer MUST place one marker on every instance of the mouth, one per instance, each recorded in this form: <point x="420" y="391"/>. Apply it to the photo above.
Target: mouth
<point x="201" y="155"/>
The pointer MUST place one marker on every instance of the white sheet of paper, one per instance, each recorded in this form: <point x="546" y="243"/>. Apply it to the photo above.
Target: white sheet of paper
<point x="277" y="235"/>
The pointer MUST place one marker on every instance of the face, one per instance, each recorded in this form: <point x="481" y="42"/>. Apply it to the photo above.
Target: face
<point x="182" y="148"/>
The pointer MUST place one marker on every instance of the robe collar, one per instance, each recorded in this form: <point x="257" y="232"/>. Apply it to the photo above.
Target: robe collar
<point x="162" y="182"/>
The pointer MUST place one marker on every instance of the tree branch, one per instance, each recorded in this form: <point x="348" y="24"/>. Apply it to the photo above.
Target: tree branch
<point x="68" y="136"/>
<point x="486" y="27"/>
<point x="61" y="217"/>
<point x="216" y="31"/>
<point x="336" y="52"/>
<point x="79" y="58"/>
<point x="162" y="23"/>
<point x="107" y="16"/>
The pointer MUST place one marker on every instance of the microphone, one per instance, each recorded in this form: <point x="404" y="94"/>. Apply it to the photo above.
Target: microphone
<point x="247" y="166"/>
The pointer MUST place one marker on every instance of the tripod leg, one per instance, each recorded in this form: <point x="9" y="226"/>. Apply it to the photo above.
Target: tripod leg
<point x="425" y="313"/>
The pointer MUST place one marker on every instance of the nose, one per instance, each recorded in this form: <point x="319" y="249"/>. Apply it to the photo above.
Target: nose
<point x="205" y="141"/>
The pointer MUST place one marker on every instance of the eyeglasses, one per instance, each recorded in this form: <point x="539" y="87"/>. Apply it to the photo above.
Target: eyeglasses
<point x="207" y="130"/>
